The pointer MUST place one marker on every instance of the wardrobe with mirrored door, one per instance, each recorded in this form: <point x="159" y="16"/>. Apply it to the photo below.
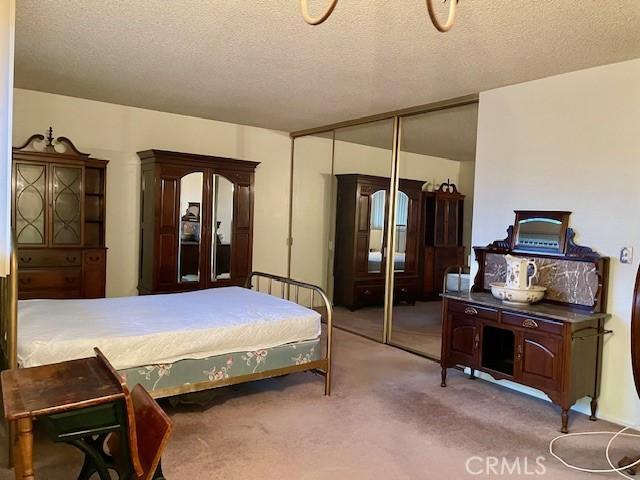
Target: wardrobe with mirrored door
<point x="196" y="221"/>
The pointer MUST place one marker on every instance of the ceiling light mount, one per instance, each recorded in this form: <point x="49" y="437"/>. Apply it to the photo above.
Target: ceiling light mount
<point x="441" y="27"/>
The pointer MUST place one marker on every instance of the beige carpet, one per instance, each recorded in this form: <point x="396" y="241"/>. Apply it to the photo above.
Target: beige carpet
<point x="387" y="419"/>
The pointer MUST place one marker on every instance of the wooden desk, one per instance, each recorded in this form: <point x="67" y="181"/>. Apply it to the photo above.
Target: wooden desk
<point x="29" y="393"/>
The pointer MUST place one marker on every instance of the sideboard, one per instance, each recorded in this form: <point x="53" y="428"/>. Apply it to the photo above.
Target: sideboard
<point x="554" y="346"/>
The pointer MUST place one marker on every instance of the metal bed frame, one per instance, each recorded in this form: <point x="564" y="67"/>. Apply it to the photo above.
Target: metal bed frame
<point x="289" y="289"/>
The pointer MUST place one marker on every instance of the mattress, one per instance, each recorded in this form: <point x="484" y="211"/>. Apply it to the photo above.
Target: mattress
<point x="160" y="329"/>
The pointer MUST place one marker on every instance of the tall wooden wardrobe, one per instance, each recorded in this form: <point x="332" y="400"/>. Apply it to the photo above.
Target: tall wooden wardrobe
<point x="443" y="229"/>
<point x="196" y="228"/>
<point x="359" y="271"/>
<point x="58" y="214"/>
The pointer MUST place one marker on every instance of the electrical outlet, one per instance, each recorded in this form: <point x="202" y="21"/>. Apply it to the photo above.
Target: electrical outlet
<point x="626" y="255"/>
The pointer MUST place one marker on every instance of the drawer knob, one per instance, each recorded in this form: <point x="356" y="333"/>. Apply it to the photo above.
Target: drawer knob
<point x="528" y="323"/>
<point x="470" y="311"/>
<point x="69" y="279"/>
<point x="25" y="281"/>
<point x="403" y="290"/>
<point x="72" y="259"/>
<point x="26" y="259"/>
<point x="94" y="258"/>
<point x="367" y="292"/>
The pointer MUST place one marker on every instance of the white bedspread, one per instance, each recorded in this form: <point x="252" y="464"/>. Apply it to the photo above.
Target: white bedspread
<point x="144" y="330"/>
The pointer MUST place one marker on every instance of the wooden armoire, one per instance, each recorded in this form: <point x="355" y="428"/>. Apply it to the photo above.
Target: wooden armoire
<point x="196" y="221"/>
<point x="359" y="267"/>
<point x="443" y="228"/>
<point x="58" y="214"/>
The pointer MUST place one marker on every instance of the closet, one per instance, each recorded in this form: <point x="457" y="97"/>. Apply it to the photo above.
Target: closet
<point x="196" y="228"/>
<point x="361" y="247"/>
<point x="58" y="214"/>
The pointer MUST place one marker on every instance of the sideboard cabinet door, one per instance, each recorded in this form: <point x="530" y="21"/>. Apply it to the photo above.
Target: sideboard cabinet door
<point x="539" y="358"/>
<point x="464" y="339"/>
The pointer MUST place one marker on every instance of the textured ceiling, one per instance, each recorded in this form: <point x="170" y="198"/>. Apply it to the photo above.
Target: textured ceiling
<point x="256" y="62"/>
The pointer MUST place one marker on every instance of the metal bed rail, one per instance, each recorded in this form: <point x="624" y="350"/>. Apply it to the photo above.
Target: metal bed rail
<point x="290" y="289"/>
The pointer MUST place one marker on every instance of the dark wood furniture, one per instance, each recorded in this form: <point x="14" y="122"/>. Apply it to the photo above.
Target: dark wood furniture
<point x="443" y="228"/>
<point x="58" y="213"/>
<point x="554" y="346"/>
<point x="165" y="266"/>
<point x="358" y="274"/>
<point x="71" y="398"/>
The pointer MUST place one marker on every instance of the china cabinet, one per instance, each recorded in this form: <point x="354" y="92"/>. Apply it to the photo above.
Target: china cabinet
<point x="196" y="228"/>
<point x="58" y="214"/>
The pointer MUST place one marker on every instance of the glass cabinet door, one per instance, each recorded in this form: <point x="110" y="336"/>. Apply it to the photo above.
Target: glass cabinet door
<point x="66" y="192"/>
<point x="222" y="228"/>
<point x="190" y="221"/>
<point x="30" y="203"/>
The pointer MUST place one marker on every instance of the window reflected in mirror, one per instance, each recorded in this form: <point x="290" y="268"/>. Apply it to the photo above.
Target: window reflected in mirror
<point x="376" y="231"/>
<point x="190" y="227"/>
<point x="539" y="233"/>
<point x="402" y="214"/>
<point x="222" y="228"/>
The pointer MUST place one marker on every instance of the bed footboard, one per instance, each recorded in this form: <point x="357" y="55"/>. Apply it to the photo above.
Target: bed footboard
<point x="9" y="313"/>
<point x="304" y="294"/>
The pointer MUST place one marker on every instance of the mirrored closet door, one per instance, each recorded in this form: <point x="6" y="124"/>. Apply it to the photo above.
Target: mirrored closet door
<point x="433" y="221"/>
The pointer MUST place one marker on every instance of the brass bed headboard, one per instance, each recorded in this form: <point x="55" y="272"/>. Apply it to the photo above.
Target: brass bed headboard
<point x="9" y="311"/>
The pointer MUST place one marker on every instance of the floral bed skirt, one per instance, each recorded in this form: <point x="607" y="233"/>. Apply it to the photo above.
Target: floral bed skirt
<point x="221" y="367"/>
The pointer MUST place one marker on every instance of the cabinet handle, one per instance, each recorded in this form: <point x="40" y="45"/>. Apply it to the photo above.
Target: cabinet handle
<point x="519" y="353"/>
<point x="367" y="292"/>
<point x="93" y="258"/>
<point x="470" y="311"/>
<point x="25" y="259"/>
<point x="476" y="341"/>
<point x="403" y="290"/>
<point x="72" y="259"/>
<point x="528" y="323"/>
<point x="25" y="281"/>
<point x="69" y="279"/>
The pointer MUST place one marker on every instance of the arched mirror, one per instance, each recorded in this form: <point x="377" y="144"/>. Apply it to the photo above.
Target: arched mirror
<point x="190" y="227"/>
<point x="376" y="231"/>
<point x="222" y="228"/>
<point x="402" y="219"/>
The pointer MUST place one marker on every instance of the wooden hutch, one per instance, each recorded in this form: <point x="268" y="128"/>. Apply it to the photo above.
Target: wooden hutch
<point x="58" y="214"/>
<point x="554" y="346"/>
<point x="443" y="229"/>
<point x="196" y="221"/>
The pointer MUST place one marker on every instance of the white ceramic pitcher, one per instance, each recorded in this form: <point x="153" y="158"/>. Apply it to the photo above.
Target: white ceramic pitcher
<point x="518" y="272"/>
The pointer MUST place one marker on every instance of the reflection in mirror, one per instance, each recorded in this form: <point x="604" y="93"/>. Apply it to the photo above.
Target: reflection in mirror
<point x="222" y="228"/>
<point x="376" y="231"/>
<point x="402" y="214"/>
<point x="539" y="233"/>
<point x="190" y="227"/>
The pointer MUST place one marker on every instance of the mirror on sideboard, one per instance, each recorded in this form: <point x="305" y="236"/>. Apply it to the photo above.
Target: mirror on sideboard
<point x="222" y="227"/>
<point x="540" y="231"/>
<point x="190" y="227"/>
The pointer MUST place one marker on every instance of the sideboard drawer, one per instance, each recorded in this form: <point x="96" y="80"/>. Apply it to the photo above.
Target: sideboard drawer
<point x="473" y="310"/>
<point x="531" y="323"/>
<point x="49" y="258"/>
<point x="369" y="295"/>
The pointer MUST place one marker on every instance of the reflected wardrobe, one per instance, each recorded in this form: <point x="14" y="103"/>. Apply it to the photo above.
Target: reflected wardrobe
<point x="196" y="221"/>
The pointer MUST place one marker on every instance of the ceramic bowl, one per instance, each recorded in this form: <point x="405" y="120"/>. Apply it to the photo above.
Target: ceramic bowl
<point x="517" y="296"/>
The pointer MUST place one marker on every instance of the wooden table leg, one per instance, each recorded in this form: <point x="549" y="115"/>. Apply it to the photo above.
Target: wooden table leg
<point x="24" y="450"/>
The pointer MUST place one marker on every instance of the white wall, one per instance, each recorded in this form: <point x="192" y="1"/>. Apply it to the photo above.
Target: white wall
<point x="571" y="142"/>
<point x="7" y="34"/>
<point x="116" y="133"/>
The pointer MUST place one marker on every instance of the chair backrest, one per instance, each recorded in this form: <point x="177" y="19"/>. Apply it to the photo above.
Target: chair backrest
<point x="131" y="424"/>
<point x="153" y="428"/>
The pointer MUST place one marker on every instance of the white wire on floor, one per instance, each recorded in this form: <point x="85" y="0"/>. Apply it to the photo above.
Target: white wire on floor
<point x="613" y="469"/>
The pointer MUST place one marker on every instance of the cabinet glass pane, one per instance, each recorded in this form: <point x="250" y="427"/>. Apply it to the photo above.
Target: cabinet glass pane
<point x="67" y="205"/>
<point x="190" y="222"/>
<point x="376" y="231"/>
<point x="30" y="203"/>
<point x="222" y="228"/>
<point x="452" y="224"/>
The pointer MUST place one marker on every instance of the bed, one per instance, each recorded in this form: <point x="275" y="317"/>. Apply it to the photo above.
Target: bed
<point x="196" y="341"/>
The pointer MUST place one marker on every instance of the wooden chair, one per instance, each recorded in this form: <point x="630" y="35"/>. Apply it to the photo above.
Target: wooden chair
<point x="148" y="430"/>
